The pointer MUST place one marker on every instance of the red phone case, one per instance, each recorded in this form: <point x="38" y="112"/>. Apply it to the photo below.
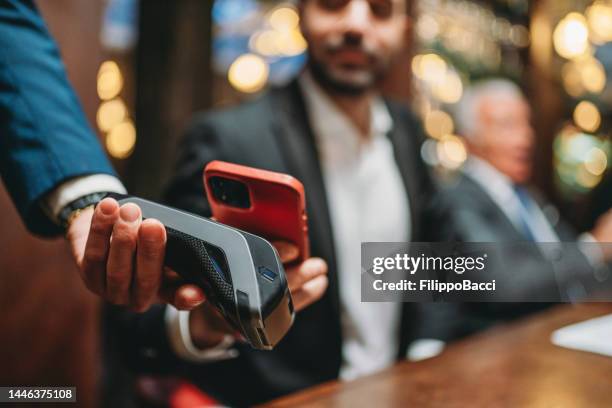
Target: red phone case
<point x="278" y="204"/>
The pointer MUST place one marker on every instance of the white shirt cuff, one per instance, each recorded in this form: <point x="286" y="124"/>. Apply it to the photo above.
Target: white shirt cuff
<point x="177" y="327"/>
<point x="78" y="187"/>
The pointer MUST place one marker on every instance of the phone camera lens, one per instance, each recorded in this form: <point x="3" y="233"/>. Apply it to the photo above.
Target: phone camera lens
<point x="231" y="192"/>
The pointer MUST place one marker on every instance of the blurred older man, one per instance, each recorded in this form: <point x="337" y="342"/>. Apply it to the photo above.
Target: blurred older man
<point x="491" y="200"/>
<point x="494" y="117"/>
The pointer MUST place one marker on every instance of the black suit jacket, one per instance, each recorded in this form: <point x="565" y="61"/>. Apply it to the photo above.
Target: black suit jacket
<point x="273" y="133"/>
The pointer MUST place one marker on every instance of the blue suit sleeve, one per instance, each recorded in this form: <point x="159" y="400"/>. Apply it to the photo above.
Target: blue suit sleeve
<point x="44" y="136"/>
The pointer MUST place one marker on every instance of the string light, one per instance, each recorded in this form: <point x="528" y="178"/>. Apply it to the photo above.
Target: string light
<point x="112" y="116"/>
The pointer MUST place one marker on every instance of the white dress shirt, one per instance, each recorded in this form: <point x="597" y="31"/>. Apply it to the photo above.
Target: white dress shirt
<point x="367" y="202"/>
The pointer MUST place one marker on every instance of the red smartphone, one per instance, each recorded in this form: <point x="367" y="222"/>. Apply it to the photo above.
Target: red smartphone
<point x="264" y="203"/>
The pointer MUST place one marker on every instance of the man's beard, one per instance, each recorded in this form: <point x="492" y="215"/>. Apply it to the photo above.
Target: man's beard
<point x="349" y="83"/>
<point x="337" y="85"/>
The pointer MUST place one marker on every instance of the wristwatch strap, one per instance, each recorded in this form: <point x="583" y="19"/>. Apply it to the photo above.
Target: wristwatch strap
<point x="66" y="214"/>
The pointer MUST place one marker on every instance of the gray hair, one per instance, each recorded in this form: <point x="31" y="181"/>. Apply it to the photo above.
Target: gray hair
<point x="466" y="111"/>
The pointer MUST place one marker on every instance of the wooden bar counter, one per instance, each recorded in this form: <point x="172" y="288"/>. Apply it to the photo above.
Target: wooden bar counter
<point x="514" y="365"/>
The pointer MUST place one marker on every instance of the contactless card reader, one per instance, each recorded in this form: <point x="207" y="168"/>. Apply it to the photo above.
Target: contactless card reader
<point x="241" y="273"/>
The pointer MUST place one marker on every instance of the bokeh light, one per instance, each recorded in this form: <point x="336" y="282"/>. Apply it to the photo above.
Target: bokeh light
<point x="248" y="73"/>
<point x="268" y="30"/>
<point x="587" y="116"/>
<point x="429" y="67"/>
<point x="111" y="113"/>
<point x="284" y="18"/>
<point x="427" y="27"/>
<point x="593" y="75"/>
<point x="272" y="43"/>
<point x="580" y="160"/>
<point x="451" y="152"/>
<point x="586" y="179"/>
<point x="265" y="42"/>
<point x="439" y="77"/>
<point x="429" y="152"/>
<point x="572" y="79"/>
<point x="571" y="36"/>
<point x="109" y="81"/>
<point x="293" y="44"/>
<point x="596" y="162"/>
<point x="282" y="38"/>
<point x="519" y="36"/>
<point x="584" y="74"/>
<point x="599" y="17"/>
<point x="121" y="140"/>
<point x="438" y="123"/>
<point x="449" y="89"/>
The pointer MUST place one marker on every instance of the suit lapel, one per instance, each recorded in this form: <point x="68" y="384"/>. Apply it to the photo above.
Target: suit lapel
<point x="292" y="129"/>
<point x="402" y="150"/>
